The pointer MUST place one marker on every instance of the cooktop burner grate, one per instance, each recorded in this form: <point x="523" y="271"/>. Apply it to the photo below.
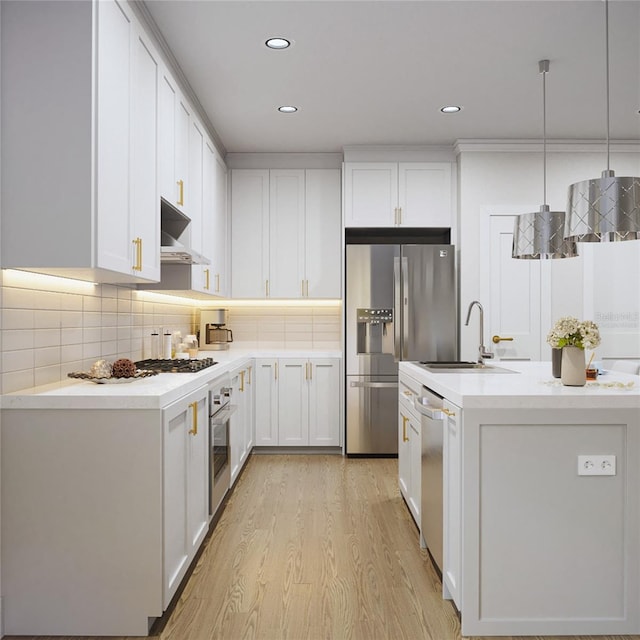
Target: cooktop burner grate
<point x="175" y="366"/>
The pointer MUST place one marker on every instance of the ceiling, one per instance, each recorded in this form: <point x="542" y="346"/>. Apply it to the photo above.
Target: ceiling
<point x="377" y="72"/>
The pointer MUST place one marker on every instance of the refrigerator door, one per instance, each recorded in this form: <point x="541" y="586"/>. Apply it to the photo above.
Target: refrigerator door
<point x="372" y="415"/>
<point x="369" y="314"/>
<point x="428" y="299"/>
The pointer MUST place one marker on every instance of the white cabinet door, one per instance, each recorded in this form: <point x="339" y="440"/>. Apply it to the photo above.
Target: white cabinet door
<point x="219" y="250"/>
<point x="249" y="233"/>
<point x="424" y="194"/>
<point x="370" y="194"/>
<point x="323" y="234"/>
<point x="114" y="242"/>
<point x="250" y="428"/>
<point x="286" y="233"/>
<point x="266" y="402"/>
<point x="202" y="277"/>
<point x="324" y="402"/>
<point x="237" y="427"/>
<point x="415" y="462"/>
<point x="452" y="503"/>
<point x="144" y="202"/>
<point x="404" y="454"/>
<point x="181" y="175"/>
<point x="293" y="402"/>
<point x="185" y="465"/>
<point x="167" y="115"/>
<point x="193" y="191"/>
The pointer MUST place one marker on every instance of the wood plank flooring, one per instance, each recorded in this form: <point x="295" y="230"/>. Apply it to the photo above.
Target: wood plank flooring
<point x="315" y="547"/>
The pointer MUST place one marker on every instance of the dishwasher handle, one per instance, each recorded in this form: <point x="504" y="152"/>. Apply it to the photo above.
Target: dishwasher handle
<point x="375" y="385"/>
<point x="421" y="403"/>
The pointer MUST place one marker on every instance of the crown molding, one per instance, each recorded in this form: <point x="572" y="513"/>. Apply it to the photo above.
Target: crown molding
<point x="557" y="146"/>
<point x="236" y="160"/>
<point x="399" y="153"/>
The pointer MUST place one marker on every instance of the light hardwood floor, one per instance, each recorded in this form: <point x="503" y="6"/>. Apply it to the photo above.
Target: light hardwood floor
<point x="315" y="547"/>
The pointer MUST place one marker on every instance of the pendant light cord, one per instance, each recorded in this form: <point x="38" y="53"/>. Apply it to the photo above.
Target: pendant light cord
<point x="544" y="135"/>
<point x="606" y="46"/>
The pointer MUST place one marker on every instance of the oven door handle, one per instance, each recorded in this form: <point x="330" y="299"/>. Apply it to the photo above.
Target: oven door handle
<point x="222" y="415"/>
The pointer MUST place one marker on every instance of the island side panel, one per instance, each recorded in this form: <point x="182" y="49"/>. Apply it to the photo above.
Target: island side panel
<point x="81" y="521"/>
<point x="547" y="551"/>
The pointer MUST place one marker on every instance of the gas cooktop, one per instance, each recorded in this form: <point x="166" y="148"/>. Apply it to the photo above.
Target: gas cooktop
<point x="175" y="366"/>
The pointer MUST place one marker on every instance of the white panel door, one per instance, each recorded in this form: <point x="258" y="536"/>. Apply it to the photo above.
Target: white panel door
<point x="266" y="402"/>
<point x="293" y="402"/>
<point x="414" y="430"/>
<point x="181" y="176"/>
<point x="286" y="233"/>
<point x="514" y="307"/>
<point x="452" y="504"/>
<point x="323" y="233"/>
<point x="370" y="194"/>
<point x="324" y="402"/>
<point x="249" y="232"/>
<point x="198" y="471"/>
<point x="404" y="454"/>
<point x="193" y="193"/>
<point x="167" y="105"/>
<point x="219" y="251"/>
<point x="237" y="423"/>
<point x="115" y="250"/>
<point x="424" y="194"/>
<point x="145" y="205"/>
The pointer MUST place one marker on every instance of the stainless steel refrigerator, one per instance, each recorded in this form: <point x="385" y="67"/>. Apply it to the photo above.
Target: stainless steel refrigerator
<point x="400" y="304"/>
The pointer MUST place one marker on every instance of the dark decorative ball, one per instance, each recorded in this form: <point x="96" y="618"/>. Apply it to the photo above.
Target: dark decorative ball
<point x="123" y="368"/>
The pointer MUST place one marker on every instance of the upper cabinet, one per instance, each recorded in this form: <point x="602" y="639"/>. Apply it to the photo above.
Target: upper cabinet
<point x="80" y="163"/>
<point x="286" y="234"/>
<point x="392" y="194"/>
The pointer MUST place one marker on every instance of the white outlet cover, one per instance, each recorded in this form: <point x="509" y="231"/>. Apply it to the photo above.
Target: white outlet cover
<point x="597" y="465"/>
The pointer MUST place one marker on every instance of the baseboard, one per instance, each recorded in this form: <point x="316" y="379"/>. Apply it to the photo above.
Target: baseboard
<point x="298" y="450"/>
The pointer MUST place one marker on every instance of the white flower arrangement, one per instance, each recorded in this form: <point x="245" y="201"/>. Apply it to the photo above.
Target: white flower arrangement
<point x="571" y="332"/>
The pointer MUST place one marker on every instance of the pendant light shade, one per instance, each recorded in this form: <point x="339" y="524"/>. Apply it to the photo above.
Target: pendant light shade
<point x="605" y="209"/>
<point x="540" y="235"/>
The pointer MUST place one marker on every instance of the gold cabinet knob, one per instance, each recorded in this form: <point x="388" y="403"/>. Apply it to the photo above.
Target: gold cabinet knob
<point x="497" y="339"/>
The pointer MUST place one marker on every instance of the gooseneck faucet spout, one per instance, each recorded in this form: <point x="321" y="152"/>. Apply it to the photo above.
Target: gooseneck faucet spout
<point x="482" y="352"/>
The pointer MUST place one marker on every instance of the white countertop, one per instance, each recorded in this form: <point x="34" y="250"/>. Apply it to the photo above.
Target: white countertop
<point x="154" y="392"/>
<point x="531" y="386"/>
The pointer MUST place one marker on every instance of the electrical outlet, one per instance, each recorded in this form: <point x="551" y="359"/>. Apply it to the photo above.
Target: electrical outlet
<point x="599" y="465"/>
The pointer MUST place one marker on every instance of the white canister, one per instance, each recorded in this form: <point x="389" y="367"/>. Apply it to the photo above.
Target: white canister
<point x="166" y="346"/>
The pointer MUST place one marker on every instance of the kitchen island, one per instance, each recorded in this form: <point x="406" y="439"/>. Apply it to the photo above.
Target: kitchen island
<point x="535" y="543"/>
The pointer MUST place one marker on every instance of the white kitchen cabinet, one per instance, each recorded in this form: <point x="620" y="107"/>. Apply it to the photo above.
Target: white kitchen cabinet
<point x="241" y="428"/>
<point x="298" y="402"/>
<point x="298" y="213"/>
<point x="219" y="221"/>
<point x="452" y="503"/>
<point x="88" y="140"/>
<point x="186" y="497"/>
<point x="409" y="446"/>
<point x="391" y="194"/>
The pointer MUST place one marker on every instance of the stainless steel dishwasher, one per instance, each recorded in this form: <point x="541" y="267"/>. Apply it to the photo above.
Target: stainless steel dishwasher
<point x="429" y="405"/>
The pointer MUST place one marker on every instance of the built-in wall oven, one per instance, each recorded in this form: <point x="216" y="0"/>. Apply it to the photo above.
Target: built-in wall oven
<point x="220" y="410"/>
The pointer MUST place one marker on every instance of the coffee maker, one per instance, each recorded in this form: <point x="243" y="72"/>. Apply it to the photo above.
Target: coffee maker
<point x="214" y="336"/>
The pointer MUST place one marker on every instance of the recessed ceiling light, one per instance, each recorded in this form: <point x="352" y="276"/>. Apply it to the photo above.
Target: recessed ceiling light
<point x="287" y="109"/>
<point x="278" y="43"/>
<point x="451" y="109"/>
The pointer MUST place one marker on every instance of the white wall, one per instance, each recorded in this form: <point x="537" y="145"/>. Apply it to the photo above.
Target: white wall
<point x="506" y="178"/>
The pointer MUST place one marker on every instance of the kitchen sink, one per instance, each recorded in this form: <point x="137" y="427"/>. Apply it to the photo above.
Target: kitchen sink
<point x="462" y="366"/>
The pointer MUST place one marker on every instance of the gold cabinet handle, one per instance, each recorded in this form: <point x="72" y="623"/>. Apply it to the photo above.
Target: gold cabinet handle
<point x="138" y="265"/>
<point x="275" y="369"/>
<point x="407" y="394"/>
<point x="306" y="288"/>
<point x="249" y="374"/>
<point x="395" y="215"/>
<point x="302" y="288"/>
<point x="217" y="283"/>
<point x="306" y="370"/>
<point x="399" y="215"/>
<point x="241" y="380"/>
<point x="448" y="412"/>
<point x="404" y="428"/>
<point x="206" y="277"/>
<point x="266" y="288"/>
<point x="311" y="371"/>
<point x="497" y="339"/>
<point x="194" y="429"/>
<point x="180" y="192"/>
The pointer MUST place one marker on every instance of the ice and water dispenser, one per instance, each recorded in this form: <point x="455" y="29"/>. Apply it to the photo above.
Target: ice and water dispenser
<point x="375" y="331"/>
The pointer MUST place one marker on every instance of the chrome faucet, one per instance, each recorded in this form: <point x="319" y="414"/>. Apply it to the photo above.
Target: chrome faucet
<point x="482" y="352"/>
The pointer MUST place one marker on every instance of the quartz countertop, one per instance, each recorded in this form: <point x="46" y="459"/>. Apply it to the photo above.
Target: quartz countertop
<point x="531" y="385"/>
<point x="154" y="392"/>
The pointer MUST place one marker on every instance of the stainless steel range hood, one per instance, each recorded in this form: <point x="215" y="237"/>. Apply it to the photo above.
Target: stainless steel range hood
<point x="173" y="227"/>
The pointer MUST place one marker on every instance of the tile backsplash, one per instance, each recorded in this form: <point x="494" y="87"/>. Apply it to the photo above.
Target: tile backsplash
<point x="50" y="327"/>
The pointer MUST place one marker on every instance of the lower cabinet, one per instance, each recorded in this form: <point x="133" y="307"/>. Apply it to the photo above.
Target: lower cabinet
<point x="298" y="402"/>
<point x="409" y="447"/>
<point x="186" y="498"/>
<point x="452" y="503"/>
<point x="241" y="427"/>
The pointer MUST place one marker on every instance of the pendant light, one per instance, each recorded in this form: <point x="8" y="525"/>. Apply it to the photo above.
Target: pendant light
<point x="540" y="235"/>
<point x="605" y="209"/>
